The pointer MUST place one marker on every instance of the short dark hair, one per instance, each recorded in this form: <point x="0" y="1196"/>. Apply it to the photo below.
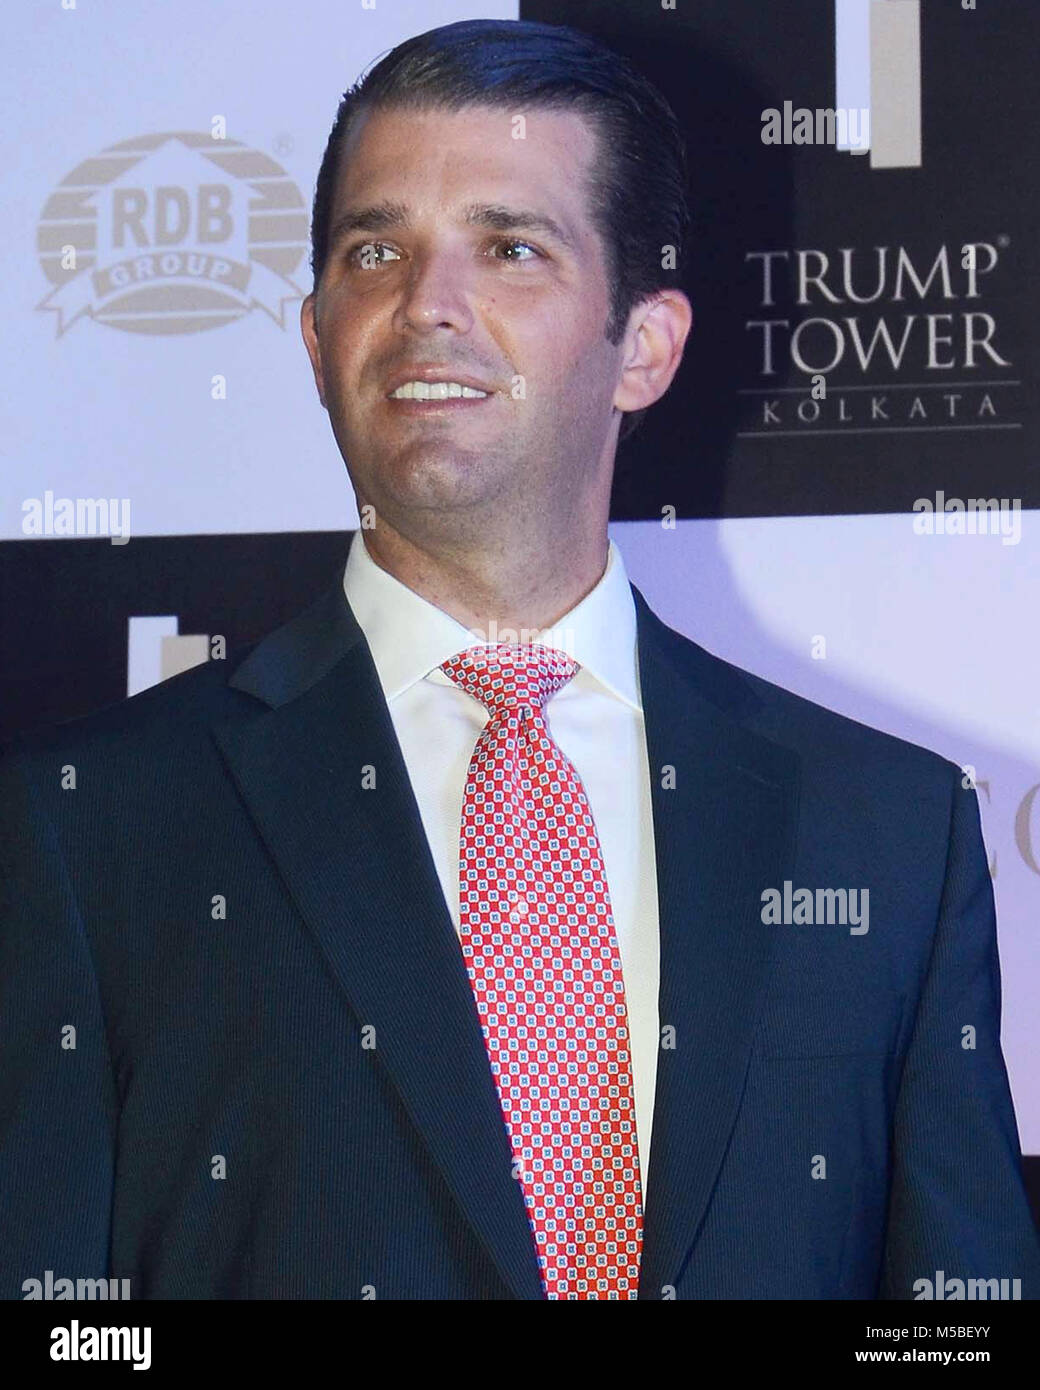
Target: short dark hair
<point x="638" y="190"/>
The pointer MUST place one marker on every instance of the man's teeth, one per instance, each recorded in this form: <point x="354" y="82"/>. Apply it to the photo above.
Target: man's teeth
<point x="434" y="391"/>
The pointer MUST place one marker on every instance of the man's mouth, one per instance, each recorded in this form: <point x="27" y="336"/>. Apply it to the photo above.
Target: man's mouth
<point x="436" y="391"/>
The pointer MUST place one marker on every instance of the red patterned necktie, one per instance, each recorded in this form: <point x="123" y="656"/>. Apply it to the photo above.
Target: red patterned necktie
<point x="542" y="957"/>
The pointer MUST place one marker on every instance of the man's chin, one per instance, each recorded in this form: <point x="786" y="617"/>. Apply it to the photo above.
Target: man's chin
<point x="441" y="476"/>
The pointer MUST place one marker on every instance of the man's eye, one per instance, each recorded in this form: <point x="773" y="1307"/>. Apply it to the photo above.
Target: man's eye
<point x="514" y="241"/>
<point x="370" y="252"/>
<point x="366" y="253"/>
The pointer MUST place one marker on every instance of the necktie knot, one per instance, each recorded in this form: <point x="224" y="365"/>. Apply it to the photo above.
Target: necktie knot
<point x="505" y="676"/>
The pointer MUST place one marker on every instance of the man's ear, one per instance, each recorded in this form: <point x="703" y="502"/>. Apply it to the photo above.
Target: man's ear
<point x="309" y="329"/>
<point x="656" y="336"/>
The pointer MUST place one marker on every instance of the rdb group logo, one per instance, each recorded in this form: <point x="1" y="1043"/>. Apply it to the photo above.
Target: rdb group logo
<point x="172" y="233"/>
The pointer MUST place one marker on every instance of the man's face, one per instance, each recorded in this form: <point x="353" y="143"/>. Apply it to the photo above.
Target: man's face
<point x="455" y="271"/>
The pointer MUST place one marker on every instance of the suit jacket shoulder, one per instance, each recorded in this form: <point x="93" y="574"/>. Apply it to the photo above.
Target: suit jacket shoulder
<point x="812" y="730"/>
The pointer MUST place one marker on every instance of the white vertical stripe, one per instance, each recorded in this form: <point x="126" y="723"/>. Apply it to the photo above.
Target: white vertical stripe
<point x="181" y="653"/>
<point x="144" y="651"/>
<point x="895" y="84"/>
<point x="852" y="61"/>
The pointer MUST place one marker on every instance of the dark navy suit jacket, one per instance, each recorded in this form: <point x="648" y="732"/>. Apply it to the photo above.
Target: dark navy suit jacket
<point x="291" y="1098"/>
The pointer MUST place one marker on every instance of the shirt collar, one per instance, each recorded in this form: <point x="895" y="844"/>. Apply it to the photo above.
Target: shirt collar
<point x="409" y="637"/>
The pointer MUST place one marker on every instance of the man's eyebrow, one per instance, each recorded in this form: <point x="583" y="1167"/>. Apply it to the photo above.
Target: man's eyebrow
<point x="388" y="217"/>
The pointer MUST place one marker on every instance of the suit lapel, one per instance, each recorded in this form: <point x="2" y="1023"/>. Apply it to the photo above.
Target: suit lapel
<point x="723" y="832"/>
<point x="360" y="871"/>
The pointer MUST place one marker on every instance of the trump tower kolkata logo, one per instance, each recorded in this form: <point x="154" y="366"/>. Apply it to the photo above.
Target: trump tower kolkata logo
<point x="172" y="233"/>
<point x="903" y="338"/>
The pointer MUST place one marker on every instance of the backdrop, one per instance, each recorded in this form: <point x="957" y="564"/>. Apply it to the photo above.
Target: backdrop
<point x="863" y="177"/>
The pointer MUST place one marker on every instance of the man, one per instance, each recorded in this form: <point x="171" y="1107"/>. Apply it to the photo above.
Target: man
<point x="430" y="950"/>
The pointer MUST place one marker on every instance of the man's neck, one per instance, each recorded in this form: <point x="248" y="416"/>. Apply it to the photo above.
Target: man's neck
<point x="489" y="593"/>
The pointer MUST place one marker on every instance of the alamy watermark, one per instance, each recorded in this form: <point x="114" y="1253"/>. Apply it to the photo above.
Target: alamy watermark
<point x="943" y="1288"/>
<point x="77" y="516"/>
<point x="826" y="906"/>
<point x="85" y="1343"/>
<point x="978" y="516"/>
<point x="62" y="1288"/>
<point x="558" y="638"/>
<point x="846" y="127"/>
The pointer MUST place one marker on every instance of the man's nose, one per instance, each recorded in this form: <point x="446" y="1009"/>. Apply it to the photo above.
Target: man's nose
<point x="436" y="293"/>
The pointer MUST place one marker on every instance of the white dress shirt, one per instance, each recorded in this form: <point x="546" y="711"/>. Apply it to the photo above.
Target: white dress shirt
<point x="597" y="720"/>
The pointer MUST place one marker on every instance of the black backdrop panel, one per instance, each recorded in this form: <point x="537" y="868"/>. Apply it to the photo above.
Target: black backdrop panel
<point x="63" y="621"/>
<point x="710" y="448"/>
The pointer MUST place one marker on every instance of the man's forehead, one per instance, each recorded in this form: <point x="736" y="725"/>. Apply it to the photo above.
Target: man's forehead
<point x="542" y="145"/>
<point x="541" y="194"/>
<point x="515" y="123"/>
